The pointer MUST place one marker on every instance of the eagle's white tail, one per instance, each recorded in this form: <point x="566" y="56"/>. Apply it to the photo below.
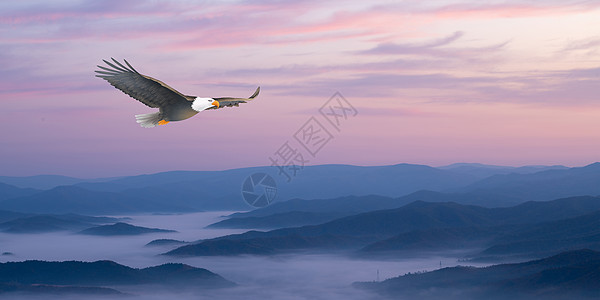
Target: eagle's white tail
<point x="148" y="120"/>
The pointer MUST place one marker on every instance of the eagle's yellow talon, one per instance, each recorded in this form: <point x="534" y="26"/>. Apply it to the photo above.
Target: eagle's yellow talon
<point x="162" y="122"/>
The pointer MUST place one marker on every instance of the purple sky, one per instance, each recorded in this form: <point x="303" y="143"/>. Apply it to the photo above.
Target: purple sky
<point x="506" y="82"/>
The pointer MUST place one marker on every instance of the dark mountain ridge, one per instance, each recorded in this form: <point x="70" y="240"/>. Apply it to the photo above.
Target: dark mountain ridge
<point x="570" y="274"/>
<point x="298" y="212"/>
<point x="106" y="273"/>
<point x="122" y="229"/>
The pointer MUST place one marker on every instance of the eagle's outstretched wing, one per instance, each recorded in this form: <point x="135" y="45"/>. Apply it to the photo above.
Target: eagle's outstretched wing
<point x="152" y="92"/>
<point x="229" y="102"/>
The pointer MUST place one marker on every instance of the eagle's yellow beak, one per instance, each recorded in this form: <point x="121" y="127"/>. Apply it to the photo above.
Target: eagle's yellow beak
<point x="216" y="103"/>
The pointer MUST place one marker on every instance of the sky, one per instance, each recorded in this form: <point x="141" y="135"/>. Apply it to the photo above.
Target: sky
<point x="424" y="82"/>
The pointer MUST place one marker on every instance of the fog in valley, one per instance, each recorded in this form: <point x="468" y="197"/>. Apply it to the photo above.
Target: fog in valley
<point x="285" y="276"/>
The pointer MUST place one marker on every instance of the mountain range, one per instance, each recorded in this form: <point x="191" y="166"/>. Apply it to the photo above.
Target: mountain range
<point x="299" y="212"/>
<point x="425" y="226"/>
<point x="480" y="212"/>
<point x="186" y="191"/>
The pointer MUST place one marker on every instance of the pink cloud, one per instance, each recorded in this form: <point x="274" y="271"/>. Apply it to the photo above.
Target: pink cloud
<point x="509" y="10"/>
<point x="47" y="13"/>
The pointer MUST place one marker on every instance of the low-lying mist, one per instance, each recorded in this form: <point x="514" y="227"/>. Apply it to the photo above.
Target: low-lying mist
<point x="298" y="276"/>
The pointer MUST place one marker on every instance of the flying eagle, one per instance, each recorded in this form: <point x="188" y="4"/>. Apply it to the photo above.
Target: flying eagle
<point x="172" y="105"/>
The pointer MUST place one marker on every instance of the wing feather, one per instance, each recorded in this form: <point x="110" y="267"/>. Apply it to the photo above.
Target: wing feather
<point x="107" y="69"/>
<point x="106" y="73"/>
<point x="115" y="67"/>
<point x="152" y="92"/>
<point x="120" y="65"/>
<point x="130" y="66"/>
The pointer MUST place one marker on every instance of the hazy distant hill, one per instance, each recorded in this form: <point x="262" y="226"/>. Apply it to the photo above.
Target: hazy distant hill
<point x="468" y="198"/>
<point x="38" y="224"/>
<point x="299" y="212"/>
<point x="279" y="220"/>
<point x="524" y="240"/>
<point x="9" y="191"/>
<point x="362" y="229"/>
<point x="545" y="185"/>
<point x="435" y="239"/>
<point x="72" y="199"/>
<point x="107" y="273"/>
<point x="569" y="275"/>
<point x="221" y="189"/>
<point x="482" y="171"/>
<point x="350" y="231"/>
<point x="46" y="182"/>
<point x="346" y="204"/>
<point x="325" y="181"/>
<point x="49" y="223"/>
<point x="185" y="191"/>
<point x="264" y="245"/>
<point x="571" y="226"/>
<point x="422" y="215"/>
<point x="122" y="229"/>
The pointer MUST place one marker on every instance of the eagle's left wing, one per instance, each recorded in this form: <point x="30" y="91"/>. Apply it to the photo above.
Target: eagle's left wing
<point x="229" y="101"/>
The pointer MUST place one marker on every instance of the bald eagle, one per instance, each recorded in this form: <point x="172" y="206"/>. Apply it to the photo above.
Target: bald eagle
<point x="172" y="105"/>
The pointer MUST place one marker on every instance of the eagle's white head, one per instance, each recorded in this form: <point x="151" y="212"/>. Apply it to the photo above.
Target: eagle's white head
<point x="201" y="104"/>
